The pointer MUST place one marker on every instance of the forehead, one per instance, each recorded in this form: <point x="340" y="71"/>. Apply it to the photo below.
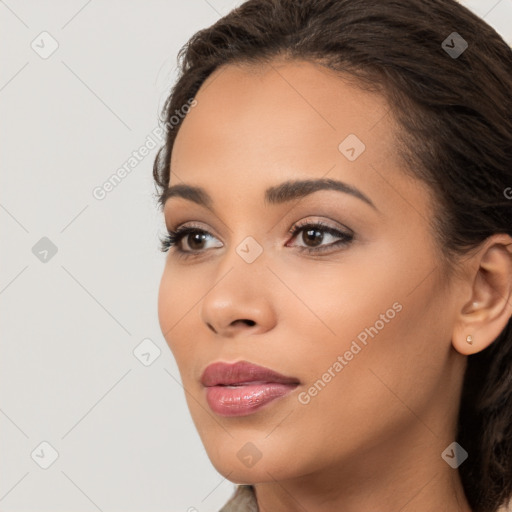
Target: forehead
<point x="258" y="125"/>
<point x="267" y="111"/>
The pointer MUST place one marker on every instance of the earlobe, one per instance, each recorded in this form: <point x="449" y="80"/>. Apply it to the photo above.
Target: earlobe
<point x="482" y="318"/>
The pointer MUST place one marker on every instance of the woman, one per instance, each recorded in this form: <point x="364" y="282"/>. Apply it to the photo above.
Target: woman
<point x="336" y="183"/>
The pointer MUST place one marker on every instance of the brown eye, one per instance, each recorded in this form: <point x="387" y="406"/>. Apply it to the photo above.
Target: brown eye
<point x="195" y="239"/>
<point x="315" y="234"/>
<point x="312" y="237"/>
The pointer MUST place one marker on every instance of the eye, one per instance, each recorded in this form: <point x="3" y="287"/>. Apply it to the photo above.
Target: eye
<point x="193" y="236"/>
<point x="315" y="233"/>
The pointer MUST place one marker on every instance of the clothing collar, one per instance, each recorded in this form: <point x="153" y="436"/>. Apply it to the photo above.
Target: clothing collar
<point x="242" y="500"/>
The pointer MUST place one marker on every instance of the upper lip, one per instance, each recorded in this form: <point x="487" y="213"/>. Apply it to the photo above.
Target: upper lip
<point x="241" y="372"/>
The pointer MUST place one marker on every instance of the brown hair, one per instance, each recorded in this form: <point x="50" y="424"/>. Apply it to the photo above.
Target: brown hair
<point x="455" y="119"/>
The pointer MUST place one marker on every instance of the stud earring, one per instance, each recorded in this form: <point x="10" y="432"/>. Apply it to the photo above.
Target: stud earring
<point x="469" y="339"/>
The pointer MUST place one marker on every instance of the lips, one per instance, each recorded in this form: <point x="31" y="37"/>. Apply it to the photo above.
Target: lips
<point x="242" y="373"/>
<point x="243" y="388"/>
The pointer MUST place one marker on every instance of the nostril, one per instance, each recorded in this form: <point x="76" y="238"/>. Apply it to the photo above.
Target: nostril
<point x="248" y="322"/>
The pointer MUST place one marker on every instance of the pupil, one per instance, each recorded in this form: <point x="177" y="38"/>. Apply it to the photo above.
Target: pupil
<point x="196" y="237"/>
<point x="312" y="234"/>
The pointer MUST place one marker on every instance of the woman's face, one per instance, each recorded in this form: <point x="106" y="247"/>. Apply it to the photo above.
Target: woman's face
<point x="364" y="323"/>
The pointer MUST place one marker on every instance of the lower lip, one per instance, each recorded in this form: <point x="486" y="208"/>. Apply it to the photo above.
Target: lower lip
<point x="246" y="399"/>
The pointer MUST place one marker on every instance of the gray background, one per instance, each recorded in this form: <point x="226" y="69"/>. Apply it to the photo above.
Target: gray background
<point x="71" y="373"/>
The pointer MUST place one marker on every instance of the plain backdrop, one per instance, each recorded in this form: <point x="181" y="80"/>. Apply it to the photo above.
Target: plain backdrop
<point x="92" y="413"/>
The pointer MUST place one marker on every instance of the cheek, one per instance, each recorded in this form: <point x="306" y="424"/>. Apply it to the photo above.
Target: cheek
<point x="390" y="334"/>
<point x="165" y="304"/>
<point x="176" y="299"/>
<point x="367" y="397"/>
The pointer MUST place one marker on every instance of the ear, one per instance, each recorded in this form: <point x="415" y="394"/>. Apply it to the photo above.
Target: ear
<point x="487" y="311"/>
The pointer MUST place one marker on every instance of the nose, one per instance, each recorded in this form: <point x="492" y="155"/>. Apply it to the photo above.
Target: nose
<point x="241" y="300"/>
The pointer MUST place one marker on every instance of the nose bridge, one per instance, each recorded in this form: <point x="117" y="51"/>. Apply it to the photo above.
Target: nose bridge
<point x="244" y="265"/>
<point x="241" y="289"/>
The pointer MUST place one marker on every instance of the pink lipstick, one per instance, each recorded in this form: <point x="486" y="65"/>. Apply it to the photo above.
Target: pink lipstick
<point x="242" y="388"/>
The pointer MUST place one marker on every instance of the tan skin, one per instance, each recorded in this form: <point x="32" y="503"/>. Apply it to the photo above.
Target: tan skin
<point x="372" y="438"/>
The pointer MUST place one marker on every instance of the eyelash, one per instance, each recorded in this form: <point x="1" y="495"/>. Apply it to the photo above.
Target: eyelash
<point x="172" y="239"/>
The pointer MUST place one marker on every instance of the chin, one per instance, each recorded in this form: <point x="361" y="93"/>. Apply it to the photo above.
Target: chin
<point x="243" y="463"/>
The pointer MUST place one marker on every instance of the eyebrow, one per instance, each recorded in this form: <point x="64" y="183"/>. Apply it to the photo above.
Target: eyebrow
<point x="279" y="194"/>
